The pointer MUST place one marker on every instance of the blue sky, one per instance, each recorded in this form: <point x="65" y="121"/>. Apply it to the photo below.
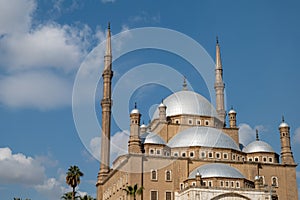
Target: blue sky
<point x="43" y="43"/>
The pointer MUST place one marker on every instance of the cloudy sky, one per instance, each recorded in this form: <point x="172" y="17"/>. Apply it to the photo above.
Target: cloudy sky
<point x="46" y="44"/>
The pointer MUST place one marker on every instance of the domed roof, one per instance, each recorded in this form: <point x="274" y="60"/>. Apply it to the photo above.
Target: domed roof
<point x="143" y="126"/>
<point x="135" y="111"/>
<point x="203" y="136"/>
<point x="151" y="138"/>
<point x="258" y="146"/>
<point x="216" y="170"/>
<point x="231" y="111"/>
<point x="187" y="102"/>
<point x="283" y="124"/>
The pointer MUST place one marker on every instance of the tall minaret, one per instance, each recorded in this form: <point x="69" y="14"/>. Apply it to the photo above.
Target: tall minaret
<point x="106" y="103"/>
<point x="219" y="85"/>
<point x="286" y="152"/>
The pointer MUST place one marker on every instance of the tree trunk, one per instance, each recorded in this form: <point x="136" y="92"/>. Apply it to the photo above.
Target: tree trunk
<point x="73" y="194"/>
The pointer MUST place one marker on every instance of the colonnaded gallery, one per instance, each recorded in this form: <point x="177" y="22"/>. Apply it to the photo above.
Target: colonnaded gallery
<point x="188" y="152"/>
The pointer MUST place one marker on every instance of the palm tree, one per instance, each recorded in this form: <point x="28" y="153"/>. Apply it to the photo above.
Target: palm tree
<point x="133" y="191"/>
<point x="73" y="178"/>
<point x="68" y="196"/>
<point x="87" y="197"/>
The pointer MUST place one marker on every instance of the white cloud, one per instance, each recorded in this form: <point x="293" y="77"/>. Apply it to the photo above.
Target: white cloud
<point x="51" y="188"/>
<point x="145" y="17"/>
<point x="15" y="15"/>
<point x="38" y="90"/>
<point x="297" y="137"/>
<point x="19" y="169"/>
<point x="247" y="133"/>
<point x="119" y="145"/>
<point x="51" y="45"/>
<point x="29" y="54"/>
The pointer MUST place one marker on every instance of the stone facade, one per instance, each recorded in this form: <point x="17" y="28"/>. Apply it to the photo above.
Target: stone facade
<point x="191" y="154"/>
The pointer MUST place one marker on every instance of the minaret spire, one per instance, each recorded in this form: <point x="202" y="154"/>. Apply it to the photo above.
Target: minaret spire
<point x="106" y="104"/>
<point x="257" y="137"/>
<point x="219" y="84"/>
<point x="108" y="54"/>
<point x="184" y="85"/>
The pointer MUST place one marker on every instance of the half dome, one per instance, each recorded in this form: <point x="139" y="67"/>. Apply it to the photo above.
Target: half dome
<point x="258" y="146"/>
<point x="187" y="102"/>
<point x="151" y="138"/>
<point x="203" y="136"/>
<point x="216" y="170"/>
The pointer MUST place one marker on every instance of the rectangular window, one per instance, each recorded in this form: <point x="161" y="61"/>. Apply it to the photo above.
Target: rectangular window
<point x="154" y="195"/>
<point x="218" y="156"/>
<point x="192" y="154"/>
<point x="168" y="195"/>
<point x="232" y="184"/>
<point x="203" y="155"/>
<point x="225" y="155"/>
<point x="153" y="175"/>
<point x="221" y="183"/>
<point x="238" y="184"/>
<point x="190" y="121"/>
<point x="210" y="184"/>
<point x="210" y="154"/>
<point x="227" y="184"/>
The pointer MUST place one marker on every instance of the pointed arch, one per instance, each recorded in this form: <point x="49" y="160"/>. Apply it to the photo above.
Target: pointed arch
<point x="231" y="194"/>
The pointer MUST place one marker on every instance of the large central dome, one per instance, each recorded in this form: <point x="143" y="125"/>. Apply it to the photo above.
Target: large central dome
<point x="204" y="137"/>
<point x="187" y="102"/>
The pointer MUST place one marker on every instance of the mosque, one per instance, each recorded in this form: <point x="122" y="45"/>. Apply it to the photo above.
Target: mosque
<point x="188" y="152"/>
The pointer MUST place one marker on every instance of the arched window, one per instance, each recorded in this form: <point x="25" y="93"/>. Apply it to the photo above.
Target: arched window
<point x="274" y="181"/>
<point x="168" y="175"/>
<point x="153" y="175"/>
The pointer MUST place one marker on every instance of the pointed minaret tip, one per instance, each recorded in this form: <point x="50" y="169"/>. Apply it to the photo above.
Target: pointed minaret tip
<point x="257" y="138"/>
<point x="282" y="120"/>
<point x="184" y="85"/>
<point x="108" y="26"/>
<point x="217" y="40"/>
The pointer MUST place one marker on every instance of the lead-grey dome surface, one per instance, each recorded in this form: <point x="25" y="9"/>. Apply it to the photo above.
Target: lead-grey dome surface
<point x="151" y="138"/>
<point x="216" y="170"/>
<point x="187" y="102"/>
<point x="258" y="146"/>
<point x="203" y="136"/>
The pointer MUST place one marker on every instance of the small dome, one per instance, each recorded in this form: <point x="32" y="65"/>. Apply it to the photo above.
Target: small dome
<point x="135" y="111"/>
<point x="258" y="146"/>
<point x="203" y="136"/>
<point x="143" y="126"/>
<point x="216" y="170"/>
<point x="161" y="105"/>
<point x="151" y="138"/>
<point x="283" y="125"/>
<point x="187" y="102"/>
<point x="231" y="111"/>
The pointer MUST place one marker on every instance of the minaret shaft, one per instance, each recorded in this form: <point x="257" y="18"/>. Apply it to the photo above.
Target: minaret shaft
<point x="106" y="104"/>
<point x="219" y="85"/>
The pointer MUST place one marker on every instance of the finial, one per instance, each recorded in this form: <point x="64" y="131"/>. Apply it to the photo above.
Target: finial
<point x="217" y="39"/>
<point x="257" y="138"/>
<point x="108" y="25"/>
<point x="162" y="100"/>
<point x="134" y="105"/>
<point x="184" y="84"/>
<point x="282" y="118"/>
<point x="231" y="108"/>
